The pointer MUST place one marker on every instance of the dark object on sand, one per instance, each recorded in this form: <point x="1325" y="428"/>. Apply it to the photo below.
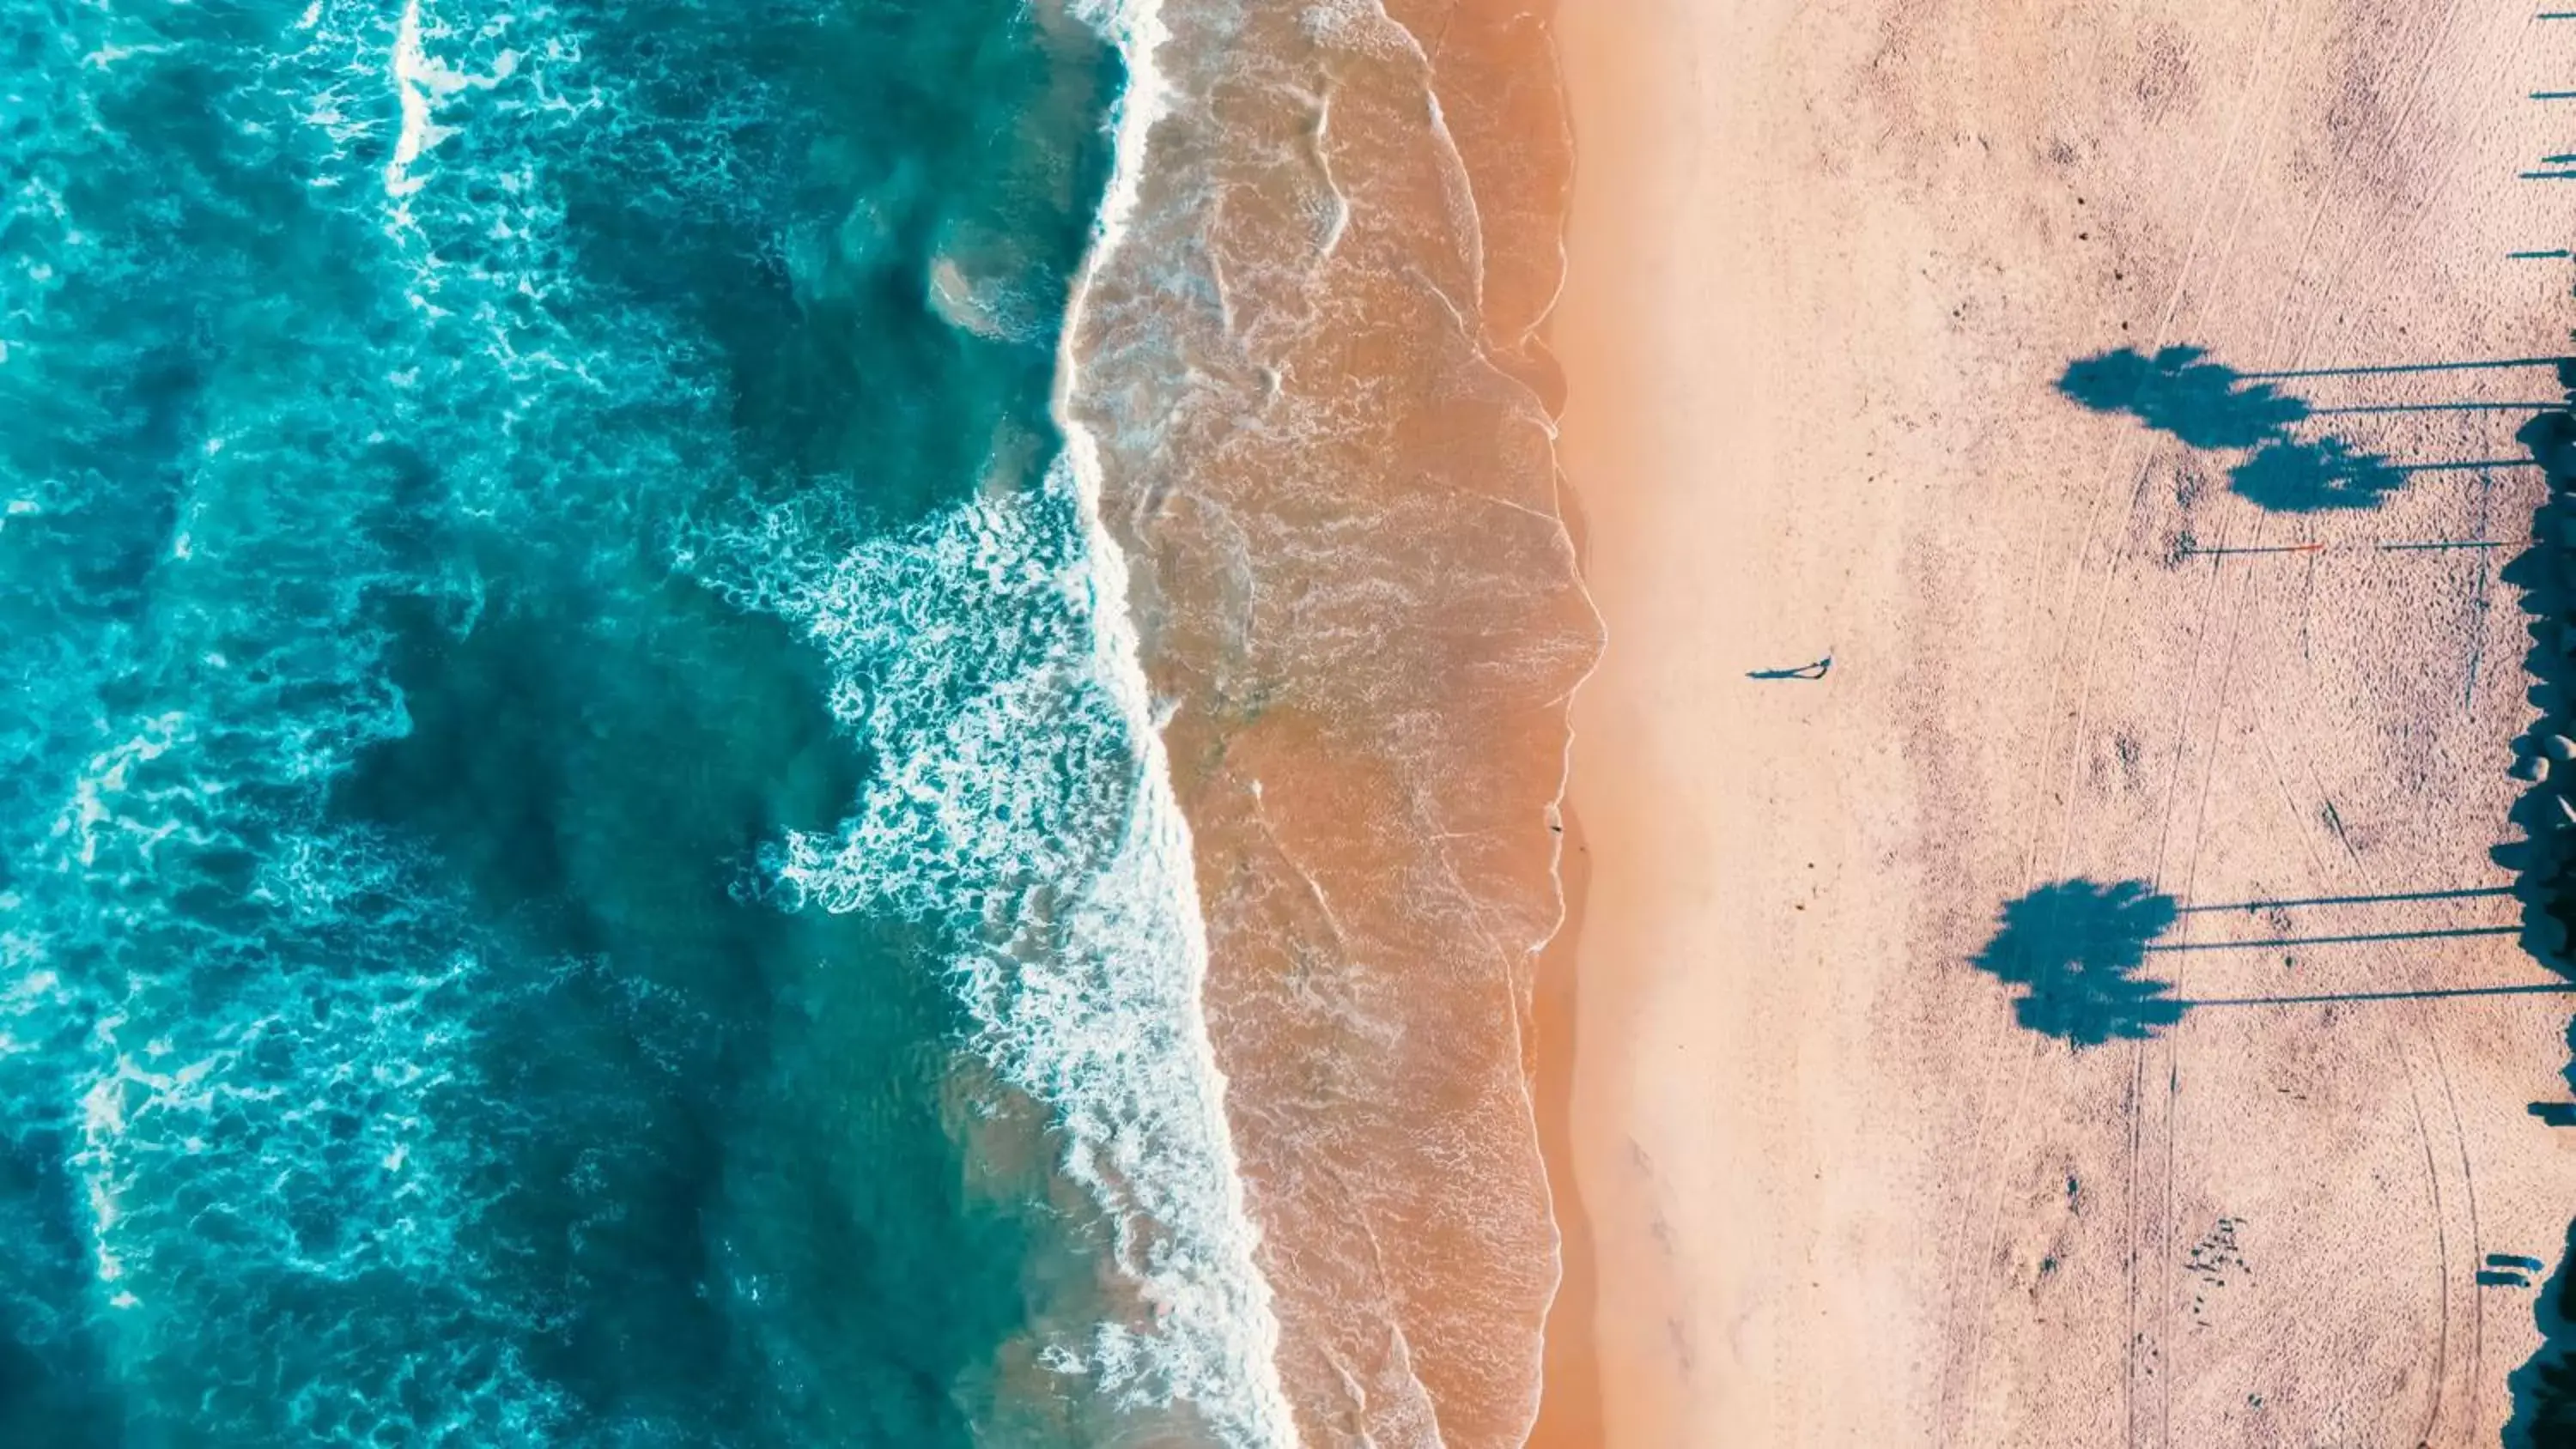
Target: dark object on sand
<point x="2076" y="948"/>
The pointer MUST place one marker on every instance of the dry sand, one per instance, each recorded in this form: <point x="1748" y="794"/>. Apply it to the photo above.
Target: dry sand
<point x="1828" y="262"/>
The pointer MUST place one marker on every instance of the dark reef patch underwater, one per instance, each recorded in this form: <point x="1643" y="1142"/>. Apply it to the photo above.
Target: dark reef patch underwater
<point x="578" y="870"/>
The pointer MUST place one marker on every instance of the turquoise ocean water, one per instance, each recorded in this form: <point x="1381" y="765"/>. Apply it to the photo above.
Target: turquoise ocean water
<point x="582" y="862"/>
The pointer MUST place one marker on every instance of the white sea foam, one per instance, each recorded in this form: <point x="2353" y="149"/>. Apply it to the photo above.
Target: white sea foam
<point x="248" y="1040"/>
<point x="1250" y="1327"/>
<point x="410" y="72"/>
<point x="1022" y="757"/>
<point x="1166" y="887"/>
<point x="93" y="807"/>
<point x="421" y="81"/>
<point x="984" y="659"/>
<point x="987" y="661"/>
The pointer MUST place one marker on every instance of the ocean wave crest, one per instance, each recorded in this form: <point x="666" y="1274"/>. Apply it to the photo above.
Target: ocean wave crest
<point x="1019" y="798"/>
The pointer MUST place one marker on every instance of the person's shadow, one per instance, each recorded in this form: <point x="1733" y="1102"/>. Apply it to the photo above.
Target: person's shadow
<point x="2075" y="948"/>
<point x="1803" y="671"/>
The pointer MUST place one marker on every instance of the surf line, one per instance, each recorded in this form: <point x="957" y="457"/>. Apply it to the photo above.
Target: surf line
<point x="1235" y="1380"/>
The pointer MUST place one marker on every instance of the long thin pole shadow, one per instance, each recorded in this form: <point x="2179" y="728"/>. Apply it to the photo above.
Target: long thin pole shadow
<point x="2386" y="367"/>
<point x="2240" y="549"/>
<point x="2472" y="465"/>
<point x="2280" y="941"/>
<point x="2469" y="893"/>
<point x="2425" y="547"/>
<point x="2253" y="548"/>
<point x="2544" y="988"/>
<point x="2448" y="407"/>
<point x="2538" y="256"/>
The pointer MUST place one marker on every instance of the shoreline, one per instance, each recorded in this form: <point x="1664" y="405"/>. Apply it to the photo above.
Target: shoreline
<point x="1587" y="1400"/>
<point x="1570" y="1409"/>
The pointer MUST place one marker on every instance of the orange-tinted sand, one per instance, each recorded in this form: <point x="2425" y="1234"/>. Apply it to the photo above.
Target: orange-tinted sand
<point x="1327" y="454"/>
<point x="1570" y="1410"/>
<point x="1826" y="267"/>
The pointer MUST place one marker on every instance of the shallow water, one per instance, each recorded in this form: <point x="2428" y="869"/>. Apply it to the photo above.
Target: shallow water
<point x="1326" y="450"/>
<point x="584" y="859"/>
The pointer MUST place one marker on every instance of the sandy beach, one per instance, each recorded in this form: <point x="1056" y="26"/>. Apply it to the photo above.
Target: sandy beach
<point x="1829" y="268"/>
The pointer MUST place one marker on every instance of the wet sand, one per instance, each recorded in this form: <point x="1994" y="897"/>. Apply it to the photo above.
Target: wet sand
<point x="1326" y="455"/>
<point x="1827" y="268"/>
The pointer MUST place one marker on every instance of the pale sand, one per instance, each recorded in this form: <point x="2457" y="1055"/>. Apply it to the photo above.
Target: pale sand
<point x="1827" y="264"/>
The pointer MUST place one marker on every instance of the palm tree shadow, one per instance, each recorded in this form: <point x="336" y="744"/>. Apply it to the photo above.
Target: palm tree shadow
<point x="2209" y="405"/>
<point x="2300" y="476"/>
<point x="2075" y="948"/>
<point x="2204" y="404"/>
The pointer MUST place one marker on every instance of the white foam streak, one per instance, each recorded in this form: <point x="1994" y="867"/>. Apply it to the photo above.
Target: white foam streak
<point x="412" y="78"/>
<point x="1137" y="28"/>
<point x="109" y="774"/>
<point x="420" y="82"/>
<point x="1021" y="795"/>
<point x="988" y="661"/>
